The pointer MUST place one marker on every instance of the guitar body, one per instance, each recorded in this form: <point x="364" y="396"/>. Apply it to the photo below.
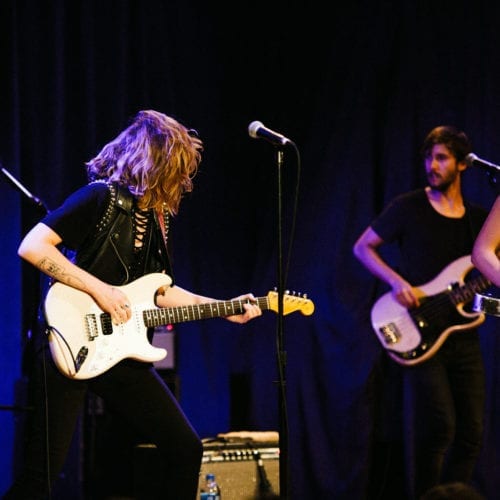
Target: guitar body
<point x="412" y="336"/>
<point x="77" y="325"/>
<point x="85" y="343"/>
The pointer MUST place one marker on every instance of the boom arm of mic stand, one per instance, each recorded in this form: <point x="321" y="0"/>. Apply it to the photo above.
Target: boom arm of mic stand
<point x="37" y="201"/>
<point x="41" y="205"/>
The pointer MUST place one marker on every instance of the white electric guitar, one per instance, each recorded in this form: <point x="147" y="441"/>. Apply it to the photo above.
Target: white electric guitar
<point x="85" y="343"/>
<point x="411" y="336"/>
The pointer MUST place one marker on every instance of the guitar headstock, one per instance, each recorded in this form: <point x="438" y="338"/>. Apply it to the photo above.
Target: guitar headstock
<point x="291" y="303"/>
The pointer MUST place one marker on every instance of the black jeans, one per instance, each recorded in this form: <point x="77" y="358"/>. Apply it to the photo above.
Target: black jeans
<point x="130" y="389"/>
<point x="444" y="409"/>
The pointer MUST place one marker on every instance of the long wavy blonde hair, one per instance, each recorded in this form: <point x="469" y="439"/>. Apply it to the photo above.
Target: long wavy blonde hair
<point x="156" y="157"/>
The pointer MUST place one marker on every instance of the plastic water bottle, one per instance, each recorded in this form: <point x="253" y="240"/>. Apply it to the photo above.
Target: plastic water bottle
<point x="211" y="491"/>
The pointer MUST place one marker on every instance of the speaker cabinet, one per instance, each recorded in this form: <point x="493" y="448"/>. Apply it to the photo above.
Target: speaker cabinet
<point x="243" y="472"/>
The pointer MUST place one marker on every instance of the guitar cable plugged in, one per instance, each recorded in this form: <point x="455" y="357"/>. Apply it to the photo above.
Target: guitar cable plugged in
<point x="81" y="357"/>
<point x="82" y="353"/>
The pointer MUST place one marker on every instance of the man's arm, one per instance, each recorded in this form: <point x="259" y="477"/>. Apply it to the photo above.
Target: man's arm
<point x="366" y="251"/>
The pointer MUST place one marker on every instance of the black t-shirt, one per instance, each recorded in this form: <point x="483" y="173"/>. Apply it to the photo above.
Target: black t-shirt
<point x="78" y="216"/>
<point x="427" y="240"/>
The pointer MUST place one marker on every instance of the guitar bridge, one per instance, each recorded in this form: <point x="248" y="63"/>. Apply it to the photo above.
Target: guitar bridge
<point x="390" y="333"/>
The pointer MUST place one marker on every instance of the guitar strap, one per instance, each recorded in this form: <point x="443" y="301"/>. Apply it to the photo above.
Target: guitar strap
<point x="162" y="219"/>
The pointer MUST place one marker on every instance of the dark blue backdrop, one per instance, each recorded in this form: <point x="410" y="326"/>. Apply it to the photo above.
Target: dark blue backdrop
<point x="356" y="87"/>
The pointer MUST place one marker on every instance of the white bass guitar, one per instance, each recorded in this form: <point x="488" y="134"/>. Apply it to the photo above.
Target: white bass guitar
<point x="411" y="336"/>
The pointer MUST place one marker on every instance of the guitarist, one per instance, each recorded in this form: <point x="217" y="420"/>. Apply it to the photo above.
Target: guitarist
<point x="117" y="225"/>
<point x="432" y="227"/>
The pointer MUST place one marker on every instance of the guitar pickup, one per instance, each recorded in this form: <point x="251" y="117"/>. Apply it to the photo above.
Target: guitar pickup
<point x="91" y="326"/>
<point x="106" y="324"/>
<point x="390" y="333"/>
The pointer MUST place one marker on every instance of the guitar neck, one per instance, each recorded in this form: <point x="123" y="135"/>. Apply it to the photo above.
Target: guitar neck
<point x="179" y="314"/>
<point x="466" y="292"/>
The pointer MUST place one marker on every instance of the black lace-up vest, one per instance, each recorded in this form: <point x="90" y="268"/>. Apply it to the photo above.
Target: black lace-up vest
<point x="127" y="242"/>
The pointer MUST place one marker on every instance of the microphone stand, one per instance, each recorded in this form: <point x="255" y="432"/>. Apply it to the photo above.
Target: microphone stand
<point x="283" y="425"/>
<point x="42" y="207"/>
<point x="257" y="130"/>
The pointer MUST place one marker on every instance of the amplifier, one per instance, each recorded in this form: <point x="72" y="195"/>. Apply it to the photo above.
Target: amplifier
<point x="164" y="336"/>
<point x="243" y="471"/>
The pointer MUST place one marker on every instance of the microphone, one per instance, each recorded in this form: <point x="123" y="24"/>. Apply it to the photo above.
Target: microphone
<point x="256" y="130"/>
<point x="473" y="160"/>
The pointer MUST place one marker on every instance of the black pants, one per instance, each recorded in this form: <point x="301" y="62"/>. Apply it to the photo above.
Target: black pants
<point x="132" y="390"/>
<point x="444" y="409"/>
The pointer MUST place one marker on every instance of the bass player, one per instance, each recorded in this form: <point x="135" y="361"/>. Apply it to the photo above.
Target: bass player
<point x="432" y="227"/>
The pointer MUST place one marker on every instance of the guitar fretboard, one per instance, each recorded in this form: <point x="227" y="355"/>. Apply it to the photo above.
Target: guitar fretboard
<point x="167" y="315"/>
<point x="466" y="292"/>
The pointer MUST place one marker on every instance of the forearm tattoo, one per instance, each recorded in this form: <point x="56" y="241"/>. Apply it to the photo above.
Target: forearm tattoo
<point x="57" y="272"/>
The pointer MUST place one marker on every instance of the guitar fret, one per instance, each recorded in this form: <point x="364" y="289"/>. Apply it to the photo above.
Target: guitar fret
<point x="162" y="316"/>
<point x="187" y="312"/>
<point x="466" y="292"/>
